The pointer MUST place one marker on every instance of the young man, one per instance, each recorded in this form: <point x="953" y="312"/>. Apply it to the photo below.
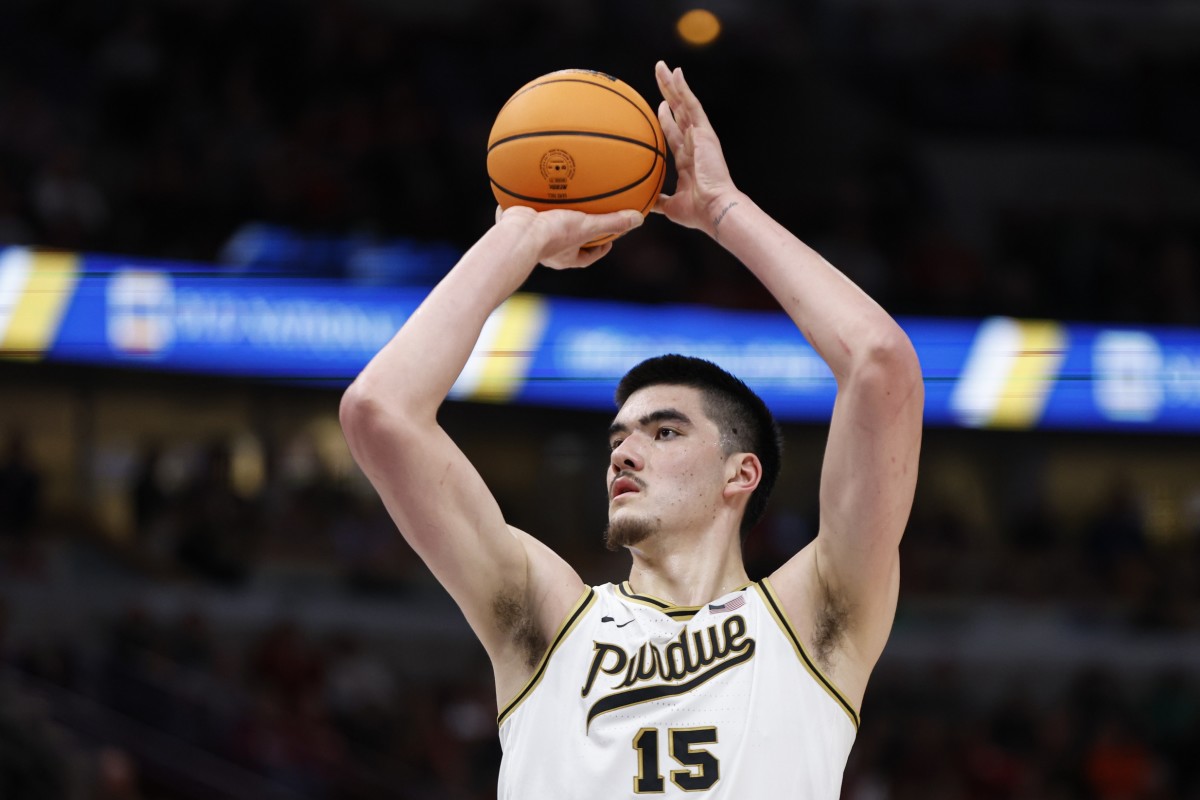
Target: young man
<point x="687" y="677"/>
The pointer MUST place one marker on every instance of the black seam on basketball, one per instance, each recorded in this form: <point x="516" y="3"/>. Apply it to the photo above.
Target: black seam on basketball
<point x="587" y="134"/>
<point x="573" y="200"/>
<point x="649" y="122"/>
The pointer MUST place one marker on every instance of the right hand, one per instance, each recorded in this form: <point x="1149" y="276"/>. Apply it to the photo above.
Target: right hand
<point x="561" y="235"/>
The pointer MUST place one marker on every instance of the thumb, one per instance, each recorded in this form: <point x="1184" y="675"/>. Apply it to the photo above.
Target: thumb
<point x="628" y="220"/>
<point x="617" y="222"/>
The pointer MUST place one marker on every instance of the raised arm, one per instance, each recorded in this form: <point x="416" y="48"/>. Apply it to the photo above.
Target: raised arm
<point x="512" y="589"/>
<point x="842" y="590"/>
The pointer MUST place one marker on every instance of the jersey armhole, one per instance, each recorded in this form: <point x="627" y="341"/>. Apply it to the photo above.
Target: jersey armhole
<point x="767" y="592"/>
<point x="581" y="607"/>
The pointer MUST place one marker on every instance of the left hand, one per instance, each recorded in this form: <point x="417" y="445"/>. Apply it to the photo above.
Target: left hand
<point x="704" y="186"/>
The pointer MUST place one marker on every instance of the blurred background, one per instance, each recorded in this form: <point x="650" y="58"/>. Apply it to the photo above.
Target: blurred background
<point x="201" y="597"/>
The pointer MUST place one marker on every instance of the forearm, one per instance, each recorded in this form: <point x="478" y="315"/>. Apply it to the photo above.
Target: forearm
<point x="842" y="323"/>
<point x="414" y="372"/>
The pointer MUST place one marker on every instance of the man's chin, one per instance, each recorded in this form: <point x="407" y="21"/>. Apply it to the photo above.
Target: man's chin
<point x="627" y="530"/>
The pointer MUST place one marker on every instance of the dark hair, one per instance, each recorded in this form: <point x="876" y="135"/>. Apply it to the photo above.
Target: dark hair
<point x="745" y="422"/>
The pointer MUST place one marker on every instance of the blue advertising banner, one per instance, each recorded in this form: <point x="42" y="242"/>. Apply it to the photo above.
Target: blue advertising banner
<point x="991" y="373"/>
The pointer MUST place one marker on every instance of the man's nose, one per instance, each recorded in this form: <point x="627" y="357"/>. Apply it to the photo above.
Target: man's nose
<point x="626" y="456"/>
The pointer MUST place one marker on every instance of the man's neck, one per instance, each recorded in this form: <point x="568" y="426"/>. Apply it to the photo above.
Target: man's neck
<point x="690" y="575"/>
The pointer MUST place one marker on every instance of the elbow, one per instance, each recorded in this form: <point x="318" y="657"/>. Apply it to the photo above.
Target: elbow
<point x="355" y="407"/>
<point x="356" y="414"/>
<point x="896" y="353"/>
<point x="891" y="363"/>
<point x="367" y="422"/>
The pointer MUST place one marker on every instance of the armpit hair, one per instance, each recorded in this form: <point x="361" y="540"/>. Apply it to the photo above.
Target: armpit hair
<point x="833" y="618"/>
<point x="514" y="619"/>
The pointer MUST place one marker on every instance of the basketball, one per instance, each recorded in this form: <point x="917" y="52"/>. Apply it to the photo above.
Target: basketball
<point x="577" y="139"/>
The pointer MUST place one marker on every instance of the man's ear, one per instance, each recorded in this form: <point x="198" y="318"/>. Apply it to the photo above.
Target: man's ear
<point x="743" y="475"/>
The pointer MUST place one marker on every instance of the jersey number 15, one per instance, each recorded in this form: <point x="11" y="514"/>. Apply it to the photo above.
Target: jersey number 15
<point x="702" y="769"/>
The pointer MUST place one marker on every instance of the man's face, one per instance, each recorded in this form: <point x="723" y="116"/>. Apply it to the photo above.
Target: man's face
<point x="667" y="467"/>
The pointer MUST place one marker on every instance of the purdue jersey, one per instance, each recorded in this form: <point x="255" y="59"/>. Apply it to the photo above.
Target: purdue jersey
<point x="635" y="696"/>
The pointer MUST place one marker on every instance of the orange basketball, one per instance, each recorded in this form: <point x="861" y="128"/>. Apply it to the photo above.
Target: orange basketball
<point x="577" y="139"/>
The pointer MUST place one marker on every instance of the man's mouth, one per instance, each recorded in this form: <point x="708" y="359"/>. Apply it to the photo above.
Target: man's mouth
<point x="623" y="486"/>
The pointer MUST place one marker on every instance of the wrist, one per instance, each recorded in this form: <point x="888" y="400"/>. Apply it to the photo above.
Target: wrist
<point x="518" y="219"/>
<point x="518" y="226"/>
<point x="720" y="210"/>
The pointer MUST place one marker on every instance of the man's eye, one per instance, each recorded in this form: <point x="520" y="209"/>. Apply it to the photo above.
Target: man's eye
<point x="667" y="433"/>
<point x="614" y="444"/>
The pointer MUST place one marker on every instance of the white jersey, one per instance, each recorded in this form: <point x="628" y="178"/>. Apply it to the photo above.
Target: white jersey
<point x="635" y="696"/>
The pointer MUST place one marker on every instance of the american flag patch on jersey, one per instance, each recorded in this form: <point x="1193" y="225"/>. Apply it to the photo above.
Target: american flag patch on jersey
<point x="732" y="605"/>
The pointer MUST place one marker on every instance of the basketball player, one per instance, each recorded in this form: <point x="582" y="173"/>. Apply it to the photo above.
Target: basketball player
<point x="687" y="677"/>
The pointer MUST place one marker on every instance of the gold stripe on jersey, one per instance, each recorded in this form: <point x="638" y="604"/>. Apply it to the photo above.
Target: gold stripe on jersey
<point x="585" y="602"/>
<point x="776" y="608"/>
<point x="670" y="609"/>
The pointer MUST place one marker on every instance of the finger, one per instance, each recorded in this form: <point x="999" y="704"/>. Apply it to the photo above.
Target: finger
<point x="580" y="258"/>
<point x="593" y="254"/>
<point x="670" y="127"/>
<point x="667" y="84"/>
<point x="600" y="225"/>
<point x="662" y="74"/>
<point x="675" y="92"/>
<point x="688" y="100"/>
<point x="678" y="142"/>
<point x="660" y="205"/>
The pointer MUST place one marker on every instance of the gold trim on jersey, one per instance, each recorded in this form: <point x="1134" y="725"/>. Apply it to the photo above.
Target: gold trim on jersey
<point x="776" y="608"/>
<point x="585" y="602"/>
<point x="670" y="609"/>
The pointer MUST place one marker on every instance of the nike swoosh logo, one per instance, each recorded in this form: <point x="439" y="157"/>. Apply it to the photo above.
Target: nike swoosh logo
<point x="610" y="619"/>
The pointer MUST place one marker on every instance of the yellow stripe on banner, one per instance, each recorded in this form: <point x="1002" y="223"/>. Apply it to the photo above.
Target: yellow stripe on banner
<point x="39" y="310"/>
<point x="1032" y="375"/>
<point x="523" y="317"/>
